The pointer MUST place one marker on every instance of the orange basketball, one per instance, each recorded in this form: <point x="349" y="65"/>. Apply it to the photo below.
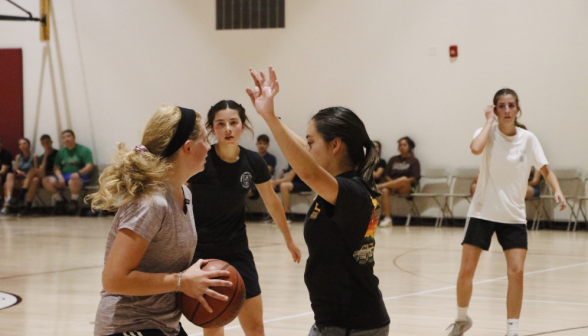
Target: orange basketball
<point x="223" y="312"/>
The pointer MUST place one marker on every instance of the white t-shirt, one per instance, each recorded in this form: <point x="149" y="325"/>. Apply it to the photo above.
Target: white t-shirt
<point x="504" y="173"/>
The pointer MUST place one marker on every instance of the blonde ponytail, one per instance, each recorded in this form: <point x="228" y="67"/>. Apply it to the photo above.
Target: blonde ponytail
<point x="133" y="173"/>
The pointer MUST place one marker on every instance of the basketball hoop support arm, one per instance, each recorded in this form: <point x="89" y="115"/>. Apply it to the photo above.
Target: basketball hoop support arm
<point x="43" y="19"/>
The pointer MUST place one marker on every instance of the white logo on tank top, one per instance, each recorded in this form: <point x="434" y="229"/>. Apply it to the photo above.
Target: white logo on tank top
<point x="246" y="179"/>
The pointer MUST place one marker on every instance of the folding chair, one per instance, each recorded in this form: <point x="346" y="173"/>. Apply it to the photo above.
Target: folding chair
<point x="308" y="196"/>
<point x="580" y="201"/>
<point x="413" y="210"/>
<point x="434" y="184"/>
<point x="536" y="202"/>
<point x="38" y="200"/>
<point x="459" y="188"/>
<point x="569" y="181"/>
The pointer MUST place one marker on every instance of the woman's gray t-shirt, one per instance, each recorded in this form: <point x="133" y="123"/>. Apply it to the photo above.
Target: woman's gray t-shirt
<point x="172" y="241"/>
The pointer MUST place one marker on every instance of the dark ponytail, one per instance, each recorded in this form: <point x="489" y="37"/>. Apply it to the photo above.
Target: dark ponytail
<point x="228" y="104"/>
<point x="342" y="123"/>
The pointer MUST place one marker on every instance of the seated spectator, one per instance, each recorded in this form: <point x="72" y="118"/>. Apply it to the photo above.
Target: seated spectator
<point x="5" y="165"/>
<point x="43" y="167"/>
<point x="402" y="174"/>
<point x="21" y="184"/>
<point x="46" y="161"/>
<point x="381" y="167"/>
<point x="262" y="146"/>
<point x="289" y="183"/>
<point x="72" y="168"/>
<point x="270" y="160"/>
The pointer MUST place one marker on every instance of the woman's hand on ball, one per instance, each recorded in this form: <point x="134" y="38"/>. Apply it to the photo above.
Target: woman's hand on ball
<point x="197" y="282"/>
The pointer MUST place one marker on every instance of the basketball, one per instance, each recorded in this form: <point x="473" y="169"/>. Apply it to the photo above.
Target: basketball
<point x="223" y="312"/>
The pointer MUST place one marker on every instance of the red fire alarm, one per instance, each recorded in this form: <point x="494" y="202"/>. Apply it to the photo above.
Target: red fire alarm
<point x="453" y="51"/>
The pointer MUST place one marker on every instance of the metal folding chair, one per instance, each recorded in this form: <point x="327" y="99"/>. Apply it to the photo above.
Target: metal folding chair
<point x="459" y="188"/>
<point x="580" y="202"/>
<point x="434" y="185"/>
<point x="426" y="188"/>
<point x="569" y="181"/>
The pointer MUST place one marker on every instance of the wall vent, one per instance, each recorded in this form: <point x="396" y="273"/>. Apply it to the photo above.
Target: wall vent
<point x="250" y="14"/>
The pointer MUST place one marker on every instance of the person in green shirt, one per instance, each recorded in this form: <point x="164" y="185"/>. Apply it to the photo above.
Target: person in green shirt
<point x="72" y="168"/>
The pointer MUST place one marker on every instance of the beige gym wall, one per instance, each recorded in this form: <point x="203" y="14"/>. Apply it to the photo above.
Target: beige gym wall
<point x="121" y="59"/>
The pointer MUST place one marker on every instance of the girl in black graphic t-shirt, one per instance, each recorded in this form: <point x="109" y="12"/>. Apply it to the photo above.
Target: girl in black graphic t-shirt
<point x="340" y="226"/>
<point x="219" y="194"/>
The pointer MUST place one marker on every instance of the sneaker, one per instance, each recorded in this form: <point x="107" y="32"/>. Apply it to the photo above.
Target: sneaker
<point x="13" y="202"/>
<point x="72" y="208"/>
<point x="25" y="212"/>
<point x="386" y="222"/>
<point x="460" y="327"/>
<point x="5" y="211"/>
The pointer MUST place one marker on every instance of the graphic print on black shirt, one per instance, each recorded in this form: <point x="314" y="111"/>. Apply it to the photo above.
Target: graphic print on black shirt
<point x="339" y="272"/>
<point x="218" y="197"/>
<point x="365" y="254"/>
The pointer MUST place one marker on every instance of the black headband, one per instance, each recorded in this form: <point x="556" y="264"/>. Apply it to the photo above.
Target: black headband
<point x="185" y="128"/>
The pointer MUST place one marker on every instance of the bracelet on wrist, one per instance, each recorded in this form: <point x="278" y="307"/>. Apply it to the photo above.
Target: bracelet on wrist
<point x="179" y="282"/>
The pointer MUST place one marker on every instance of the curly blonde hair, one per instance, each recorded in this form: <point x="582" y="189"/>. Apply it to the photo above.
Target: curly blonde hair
<point x="131" y="173"/>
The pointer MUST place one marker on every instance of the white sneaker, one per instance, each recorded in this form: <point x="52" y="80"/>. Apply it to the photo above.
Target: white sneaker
<point x="272" y="221"/>
<point x="458" y="328"/>
<point x="386" y="222"/>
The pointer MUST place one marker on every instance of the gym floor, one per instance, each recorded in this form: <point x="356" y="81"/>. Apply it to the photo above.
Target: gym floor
<point x="54" y="264"/>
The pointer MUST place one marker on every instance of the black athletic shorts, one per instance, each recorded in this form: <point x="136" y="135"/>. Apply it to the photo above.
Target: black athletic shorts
<point x="243" y="263"/>
<point x="479" y="232"/>
<point x="149" y="332"/>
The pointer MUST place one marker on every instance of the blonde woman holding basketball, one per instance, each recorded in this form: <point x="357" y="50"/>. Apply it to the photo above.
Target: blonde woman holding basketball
<point x="153" y="237"/>
<point x="498" y="205"/>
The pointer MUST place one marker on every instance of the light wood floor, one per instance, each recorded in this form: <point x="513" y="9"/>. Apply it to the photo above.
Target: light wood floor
<point x="55" y="264"/>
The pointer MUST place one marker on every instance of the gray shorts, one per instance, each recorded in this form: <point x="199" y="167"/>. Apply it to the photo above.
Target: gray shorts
<point x="336" y="331"/>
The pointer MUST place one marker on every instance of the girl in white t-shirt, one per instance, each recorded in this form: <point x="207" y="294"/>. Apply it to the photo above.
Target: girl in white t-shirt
<point x="498" y="205"/>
